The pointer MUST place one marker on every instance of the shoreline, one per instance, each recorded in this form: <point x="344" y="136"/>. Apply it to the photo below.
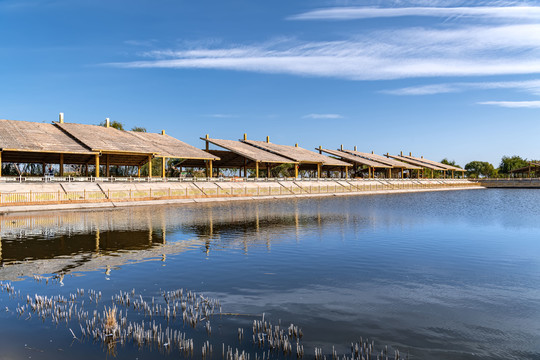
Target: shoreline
<point x="6" y="210"/>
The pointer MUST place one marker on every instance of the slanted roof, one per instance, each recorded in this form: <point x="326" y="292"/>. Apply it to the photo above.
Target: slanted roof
<point x="435" y="163"/>
<point x="419" y="163"/>
<point x="167" y="146"/>
<point x="355" y="159"/>
<point x="249" y="151"/>
<point x="298" y="154"/>
<point x="382" y="159"/>
<point x="24" y="136"/>
<point x="532" y="166"/>
<point x="108" y="139"/>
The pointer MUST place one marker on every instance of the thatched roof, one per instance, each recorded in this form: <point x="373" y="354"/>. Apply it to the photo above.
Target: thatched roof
<point x="108" y="139"/>
<point x="382" y="159"/>
<point x="418" y="163"/>
<point x="248" y="151"/>
<point x="298" y="154"/>
<point x="431" y="162"/>
<point x="27" y="136"/>
<point x="167" y="146"/>
<point x="355" y="159"/>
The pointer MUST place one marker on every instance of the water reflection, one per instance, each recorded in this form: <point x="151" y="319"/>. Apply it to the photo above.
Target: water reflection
<point x="445" y="275"/>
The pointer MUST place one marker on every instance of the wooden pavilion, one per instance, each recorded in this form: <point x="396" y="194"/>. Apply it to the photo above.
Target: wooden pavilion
<point x="69" y="143"/>
<point x="396" y="167"/>
<point x="306" y="160"/>
<point x="40" y="143"/>
<point x="357" y="161"/>
<point x="533" y="170"/>
<point x="169" y="147"/>
<point x="243" y="156"/>
<point x="429" y="164"/>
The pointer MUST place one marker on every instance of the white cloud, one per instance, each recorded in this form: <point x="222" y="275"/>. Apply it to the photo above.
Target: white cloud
<point x="352" y="13"/>
<point x="222" y="116"/>
<point x="322" y="116"/>
<point x="376" y="55"/>
<point x="530" y="86"/>
<point x="513" y="104"/>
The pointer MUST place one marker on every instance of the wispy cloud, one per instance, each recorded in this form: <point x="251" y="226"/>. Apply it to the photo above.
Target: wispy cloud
<point x="513" y="104"/>
<point x="322" y="116"/>
<point x="352" y="13"/>
<point x="221" y="116"/>
<point x="530" y="86"/>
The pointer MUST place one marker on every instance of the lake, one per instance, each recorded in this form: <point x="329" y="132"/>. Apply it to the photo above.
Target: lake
<point x="435" y="275"/>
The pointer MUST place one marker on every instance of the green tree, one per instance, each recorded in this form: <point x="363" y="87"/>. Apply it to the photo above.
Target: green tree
<point x="480" y="169"/>
<point x="450" y="162"/>
<point x="114" y="124"/>
<point x="138" y="129"/>
<point x="511" y="163"/>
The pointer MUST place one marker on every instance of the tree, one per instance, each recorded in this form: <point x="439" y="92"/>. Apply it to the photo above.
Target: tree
<point x="114" y="124"/>
<point x="511" y="163"/>
<point x="450" y="162"/>
<point x="480" y="169"/>
<point x="138" y="129"/>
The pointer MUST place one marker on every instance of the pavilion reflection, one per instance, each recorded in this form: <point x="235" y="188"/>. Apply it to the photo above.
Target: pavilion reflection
<point x="87" y="241"/>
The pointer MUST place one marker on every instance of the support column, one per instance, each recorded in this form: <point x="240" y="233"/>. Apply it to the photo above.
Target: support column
<point x="268" y="171"/>
<point x="97" y="165"/>
<point x="163" y="160"/>
<point x="43" y="168"/>
<point x="318" y="171"/>
<point x="149" y="165"/>
<point x="0" y="163"/>
<point x="369" y="172"/>
<point x="402" y="173"/>
<point x="61" y="165"/>
<point x="295" y="171"/>
<point x="107" y="164"/>
<point x="453" y="174"/>
<point x="138" y="171"/>
<point x="86" y="170"/>
<point x="256" y="169"/>
<point x="210" y="169"/>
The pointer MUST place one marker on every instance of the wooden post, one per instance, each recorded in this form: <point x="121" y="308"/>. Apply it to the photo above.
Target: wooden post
<point x="86" y="170"/>
<point x="61" y="164"/>
<point x="318" y="171"/>
<point x="44" y="168"/>
<point x="210" y="169"/>
<point x="138" y="171"/>
<point x="0" y="163"/>
<point x="402" y="173"/>
<point x="295" y="171"/>
<point x="369" y="172"/>
<point x="256" y="169"/>
<point x="268" y="171"/>
<point x="207" y="144"/>
<point x="150" y="166"/>
<point x="97" y="165"/>
<point x="107" y="164"/>
<point x="163" y="161"/>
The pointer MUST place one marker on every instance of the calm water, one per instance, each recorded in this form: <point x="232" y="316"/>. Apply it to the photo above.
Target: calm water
<point x="445" y="275"/>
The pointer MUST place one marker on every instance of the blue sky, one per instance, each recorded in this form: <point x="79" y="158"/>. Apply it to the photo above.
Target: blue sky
<point x="440" y="78"/>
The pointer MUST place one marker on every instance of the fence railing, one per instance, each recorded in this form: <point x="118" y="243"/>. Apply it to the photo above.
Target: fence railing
<point x="192" y="192"/>
<point x="61" y="179"/>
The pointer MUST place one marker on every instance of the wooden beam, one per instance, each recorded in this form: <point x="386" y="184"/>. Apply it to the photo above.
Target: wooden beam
<point x="97" y="165"/>
<point x="318" y="171"/>
<point x="257" y="169"/>
<point x="210" y="169"/>
<point x="138" y="171"/>
<point x="295" y="171"/>
<point x="149" y="166"/>
<point x="163" y="161"/>
<point x="61" y="164"/>
<point x="0" y="163"/>
<point x="107" y="164"/>
<point x="43" y="168"/>
<point x="268" y="171"/>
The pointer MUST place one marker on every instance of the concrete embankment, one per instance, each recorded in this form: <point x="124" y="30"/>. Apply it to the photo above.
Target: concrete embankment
<point x="20" y="197"/>
<point x="517" y="183"/>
